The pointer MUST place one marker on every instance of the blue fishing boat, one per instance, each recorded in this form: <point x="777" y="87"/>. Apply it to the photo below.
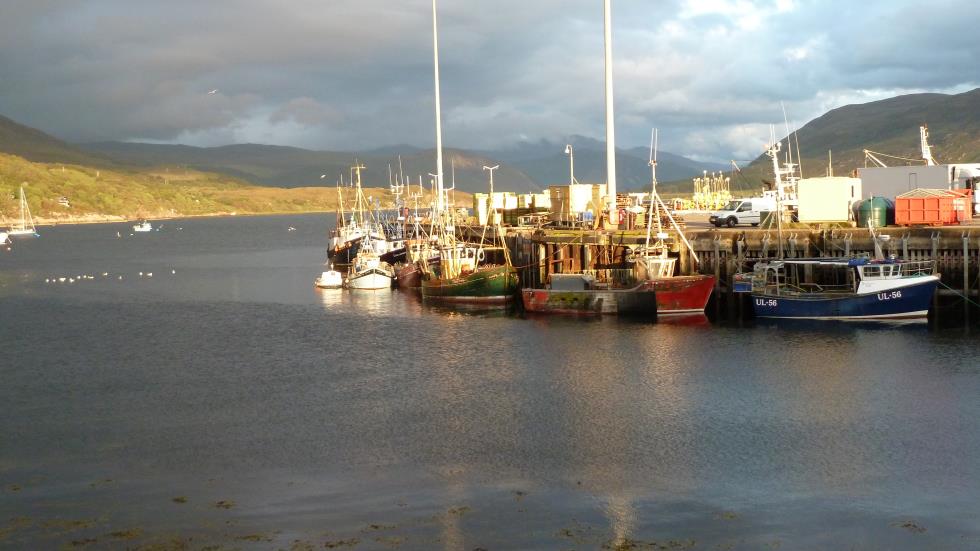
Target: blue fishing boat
<point x="840" y="288"/>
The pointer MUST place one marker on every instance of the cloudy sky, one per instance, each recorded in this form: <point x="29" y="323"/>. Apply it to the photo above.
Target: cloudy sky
<point x="355" y="74"/>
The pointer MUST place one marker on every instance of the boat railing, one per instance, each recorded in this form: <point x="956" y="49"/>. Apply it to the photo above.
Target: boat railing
<point x="818" y="288"/>
<point x="917" y="268"/>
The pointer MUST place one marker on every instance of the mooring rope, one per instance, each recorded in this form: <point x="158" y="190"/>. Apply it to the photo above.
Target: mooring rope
<point x="961" y="295"/>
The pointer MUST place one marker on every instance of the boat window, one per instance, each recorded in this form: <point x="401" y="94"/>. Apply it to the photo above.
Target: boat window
<point x="871" y="271"/>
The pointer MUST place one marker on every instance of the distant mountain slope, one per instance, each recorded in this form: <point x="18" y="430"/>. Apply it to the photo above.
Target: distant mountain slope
<point x="294" y="167"/>
<point x="521" y="170"/>
<point x="34" y="145"/>
<point x="546" y="162"/>
<point x="888" y="126"/>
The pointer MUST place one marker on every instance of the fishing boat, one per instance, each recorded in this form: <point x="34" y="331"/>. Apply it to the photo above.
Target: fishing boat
<point x="408" y="273"/>
<point x="4" y="238"/>
<point x="463" y="274"/>
<point x="581" y="294"/>
<point x="849" y="288"/>
<point x="330" y="279"/>
<point x="488" y="284"/>
<point x="836" y="288"/>
<point x="25" y="227"/>
<point x="369" y="273"/>
<point x="350" y="233"/>
<point x="142" y="226"/>
<point x="676" y="295"/>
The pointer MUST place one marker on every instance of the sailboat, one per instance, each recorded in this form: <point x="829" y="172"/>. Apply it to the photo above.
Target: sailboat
<point x="676" y="295"/>
<point x="26" y="225"/>
<point x="463" y="274"/>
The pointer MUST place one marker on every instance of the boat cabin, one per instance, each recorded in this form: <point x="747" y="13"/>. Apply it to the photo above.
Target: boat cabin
<point x="829" y="275"/>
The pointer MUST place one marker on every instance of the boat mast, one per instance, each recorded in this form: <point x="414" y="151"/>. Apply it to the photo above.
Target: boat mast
<point x="435" y="62"/>
<point x="360" y="194"/>
<point x="654" y="204"/>
<point x="773" y="153"/>
<point x="610" y="122"/>
<point x="340" y="202"/>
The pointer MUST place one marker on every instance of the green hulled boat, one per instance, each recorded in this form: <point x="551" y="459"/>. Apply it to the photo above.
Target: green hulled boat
<point x="487" y="285"/>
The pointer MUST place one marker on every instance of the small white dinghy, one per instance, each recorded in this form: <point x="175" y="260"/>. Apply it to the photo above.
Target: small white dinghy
<point x="143" y="226"/>
<point x="331" y="279"/>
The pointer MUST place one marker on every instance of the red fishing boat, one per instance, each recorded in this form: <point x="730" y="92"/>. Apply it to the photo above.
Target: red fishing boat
<point x="676" y="295"/>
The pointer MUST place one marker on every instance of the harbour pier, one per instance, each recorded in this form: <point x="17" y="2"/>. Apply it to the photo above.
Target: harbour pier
<point x="723" y="252"/>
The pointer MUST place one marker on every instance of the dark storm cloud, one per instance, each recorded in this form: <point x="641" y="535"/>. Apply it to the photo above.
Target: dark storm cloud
<point x="348" y="74"/>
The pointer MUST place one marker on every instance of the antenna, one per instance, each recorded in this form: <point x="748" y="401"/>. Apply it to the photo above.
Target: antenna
<point x="924" y="144"/>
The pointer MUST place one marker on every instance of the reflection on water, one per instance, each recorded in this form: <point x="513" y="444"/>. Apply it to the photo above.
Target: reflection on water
<point x="385" y="418"/>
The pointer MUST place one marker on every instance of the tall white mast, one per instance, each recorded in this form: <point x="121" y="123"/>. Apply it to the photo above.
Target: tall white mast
<point x="610" y="123"/>
<point x="435" y="58"/>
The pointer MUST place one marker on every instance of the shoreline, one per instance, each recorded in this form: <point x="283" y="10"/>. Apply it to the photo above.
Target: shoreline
<point x="117" y="219"/>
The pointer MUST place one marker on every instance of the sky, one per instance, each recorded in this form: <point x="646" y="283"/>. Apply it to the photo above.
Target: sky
<point x="350" y="75"/>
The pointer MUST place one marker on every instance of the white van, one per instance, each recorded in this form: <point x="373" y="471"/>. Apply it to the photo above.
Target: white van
<point x="742" y="211"/>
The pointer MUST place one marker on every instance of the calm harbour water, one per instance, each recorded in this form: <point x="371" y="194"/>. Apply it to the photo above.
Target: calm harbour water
<point x="223" y="401"/>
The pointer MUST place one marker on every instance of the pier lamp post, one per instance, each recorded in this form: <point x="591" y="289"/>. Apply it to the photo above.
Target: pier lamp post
<point x="571" y="163"/>
<point x="491" y="169"/>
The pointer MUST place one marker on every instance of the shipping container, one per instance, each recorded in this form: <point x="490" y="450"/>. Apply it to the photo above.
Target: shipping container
<point x="933" y="207"/>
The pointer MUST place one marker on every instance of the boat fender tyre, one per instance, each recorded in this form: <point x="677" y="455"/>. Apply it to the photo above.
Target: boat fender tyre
<point x="731" y="221"/>
<point x="480" y="255"/>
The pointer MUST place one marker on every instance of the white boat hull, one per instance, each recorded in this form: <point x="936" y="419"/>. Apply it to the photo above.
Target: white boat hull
<point x="329" y="280"/>
<point x="372" y="279"/>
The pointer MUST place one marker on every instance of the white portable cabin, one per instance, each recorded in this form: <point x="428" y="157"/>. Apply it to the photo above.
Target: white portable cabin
<point x="827" y="199"/>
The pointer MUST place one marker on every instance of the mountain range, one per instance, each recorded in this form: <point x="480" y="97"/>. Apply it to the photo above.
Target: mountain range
<point x="888" y="126"/>
<point x="522" y="168"/>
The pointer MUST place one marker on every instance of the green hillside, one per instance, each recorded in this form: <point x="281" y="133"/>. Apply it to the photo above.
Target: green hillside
<point x="34" y="145"/>
<point x="134" y="194"/>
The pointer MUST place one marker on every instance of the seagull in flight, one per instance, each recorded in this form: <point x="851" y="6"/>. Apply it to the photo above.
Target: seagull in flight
<point x="213" y="92"/>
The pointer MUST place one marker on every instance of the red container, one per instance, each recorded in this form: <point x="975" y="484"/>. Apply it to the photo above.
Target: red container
<point x="933" y="207"/>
